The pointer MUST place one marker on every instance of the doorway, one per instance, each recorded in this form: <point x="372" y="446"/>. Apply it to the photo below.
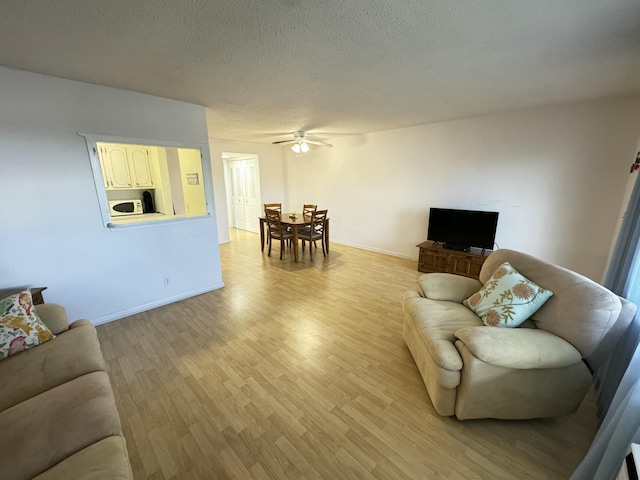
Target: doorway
<point x="242" y="181"/>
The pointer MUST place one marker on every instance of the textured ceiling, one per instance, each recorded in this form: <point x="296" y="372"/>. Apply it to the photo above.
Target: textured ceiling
<point x="265" y="67"/>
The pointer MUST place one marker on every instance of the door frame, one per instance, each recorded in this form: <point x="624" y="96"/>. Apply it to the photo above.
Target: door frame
<point x="228" y="158"/>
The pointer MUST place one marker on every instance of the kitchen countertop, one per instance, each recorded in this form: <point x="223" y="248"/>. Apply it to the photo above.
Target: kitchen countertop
<point x="150" y="219"/>
<point x="143" y="217"/>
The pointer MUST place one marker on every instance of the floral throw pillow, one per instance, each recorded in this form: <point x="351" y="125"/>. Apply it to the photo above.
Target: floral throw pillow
<point x="507" y="299"/>
<point x="20" y="327"/>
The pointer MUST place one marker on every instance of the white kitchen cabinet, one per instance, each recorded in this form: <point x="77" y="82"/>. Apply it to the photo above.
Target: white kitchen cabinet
<point x="125" y="166"/>
<point x="115" y="166"/>
<point x="140" y="167"/>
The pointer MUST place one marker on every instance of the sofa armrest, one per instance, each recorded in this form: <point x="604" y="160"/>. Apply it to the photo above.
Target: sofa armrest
<point x="410" y="294"/>
<point x="520" y="348"/>
<point x="54" y="316"/>
<point x="81" y="323"/>
<point x="448" y="287"/>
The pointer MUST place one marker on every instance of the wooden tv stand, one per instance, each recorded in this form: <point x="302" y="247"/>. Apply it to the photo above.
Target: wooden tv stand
<point x="436" y="259"/>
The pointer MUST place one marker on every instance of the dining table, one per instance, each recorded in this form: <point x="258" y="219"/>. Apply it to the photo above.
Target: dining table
<point x="294" y="221"/>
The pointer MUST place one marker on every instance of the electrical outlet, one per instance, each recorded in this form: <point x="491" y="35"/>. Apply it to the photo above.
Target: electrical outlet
<point x="166" y="281"/>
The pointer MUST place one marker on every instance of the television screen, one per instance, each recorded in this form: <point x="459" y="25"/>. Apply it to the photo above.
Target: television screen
<point x="461" y="229"/>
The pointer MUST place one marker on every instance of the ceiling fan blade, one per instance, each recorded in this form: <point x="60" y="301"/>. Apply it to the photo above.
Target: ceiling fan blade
<point x="299" y="137"/>
<point x="316" y="142"/>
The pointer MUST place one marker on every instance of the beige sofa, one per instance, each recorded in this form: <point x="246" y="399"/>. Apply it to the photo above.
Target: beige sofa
<point x="539" y="369"/>
<point x="58" y="417"/>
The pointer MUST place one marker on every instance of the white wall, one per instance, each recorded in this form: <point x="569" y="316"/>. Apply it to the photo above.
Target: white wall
<point x="52" y="232"/>
<point x="557" y="176"/>
<point x="270" y="160"/>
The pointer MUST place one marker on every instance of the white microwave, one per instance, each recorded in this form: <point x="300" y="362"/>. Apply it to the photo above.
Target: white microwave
<point x="118" y="208"/>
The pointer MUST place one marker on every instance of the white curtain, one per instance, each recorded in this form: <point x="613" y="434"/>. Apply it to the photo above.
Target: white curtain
<point x="620" y="427"/>
<point x="618" y="381"/>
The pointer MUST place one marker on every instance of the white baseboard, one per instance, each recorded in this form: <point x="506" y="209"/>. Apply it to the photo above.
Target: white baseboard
<point x="158" y="303"/>
<point x="373" y="249"/>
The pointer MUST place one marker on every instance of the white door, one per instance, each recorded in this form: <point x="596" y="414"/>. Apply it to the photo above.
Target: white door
<point x="236" y="171"/>
<point x="252" y="197"/>
<point x="243" y="191"/>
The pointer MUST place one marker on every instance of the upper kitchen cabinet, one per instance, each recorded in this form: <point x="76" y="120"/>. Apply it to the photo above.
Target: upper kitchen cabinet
<point x="125" y="166"/>
<point x="115" y="166"/>
<point x="140" y="167"/>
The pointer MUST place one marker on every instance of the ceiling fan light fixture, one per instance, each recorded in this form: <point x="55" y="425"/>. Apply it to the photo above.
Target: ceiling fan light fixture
<point x="301" y="146"/>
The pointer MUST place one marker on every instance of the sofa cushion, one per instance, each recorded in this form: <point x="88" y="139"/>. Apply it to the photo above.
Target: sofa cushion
<point x="439" y="320"/>
<point x="435" y="376"/>
<point x="447" y="286"/>
<point x="436" y="322"/>
<point x="20" y="326"/>
<point x="71" y="354"/>
<point x="44" y="430"/>
<point x="103" y="460"/>
<point x="507" y="299"/>
<point x="520" y="348"/>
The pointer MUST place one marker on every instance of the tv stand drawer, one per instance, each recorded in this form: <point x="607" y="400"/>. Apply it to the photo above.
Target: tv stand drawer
<point x="436" y="259"/>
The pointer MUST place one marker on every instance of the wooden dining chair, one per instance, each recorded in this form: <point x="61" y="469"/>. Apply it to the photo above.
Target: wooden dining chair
<point x="273" y="206"/>
<point x="276" y="230"/>
<point x="315" y="232"/>
<point x="308" y="209"/>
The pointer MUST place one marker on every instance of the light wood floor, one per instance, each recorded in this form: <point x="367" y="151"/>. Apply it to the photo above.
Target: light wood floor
<point x="299" y="371"/>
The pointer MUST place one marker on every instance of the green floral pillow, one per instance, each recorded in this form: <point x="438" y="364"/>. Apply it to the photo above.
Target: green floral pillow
<point x="20" y="327"/>
<point x="507" y="299"/>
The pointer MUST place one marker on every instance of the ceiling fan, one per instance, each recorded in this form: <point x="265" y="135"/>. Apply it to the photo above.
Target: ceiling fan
<point x="301" y="142"/>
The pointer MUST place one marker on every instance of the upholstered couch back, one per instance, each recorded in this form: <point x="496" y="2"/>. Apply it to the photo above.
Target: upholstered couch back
<point x="580" y="311"/>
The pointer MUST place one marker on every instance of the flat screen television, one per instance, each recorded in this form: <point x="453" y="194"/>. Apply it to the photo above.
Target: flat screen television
<point x="462" y="229"/>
